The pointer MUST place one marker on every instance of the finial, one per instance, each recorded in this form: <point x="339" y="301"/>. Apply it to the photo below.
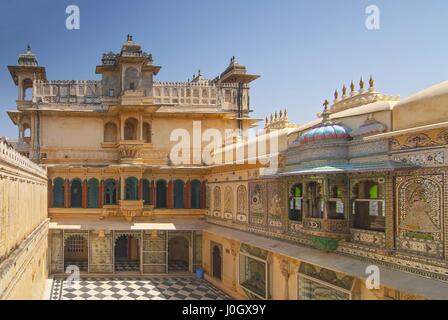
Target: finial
<point x="344" y="91"/>
<point x="286" y="114"/>
<point x="267" y="120"/>
<point x="361" y="84"/>
<point x="352" y="87"/>
<point x="281" y="114"/>
<point x="336" y="95"/>
<point x="28" y="48"/>
<point x="326" y="113"/>
<point x="276" y="115"/>
<point x="272" y="117"/>
<point x="326" y="104"/>
<point x="371" y="82"/>
<point x="199" y="72"/>
<point x="129" y="38"/>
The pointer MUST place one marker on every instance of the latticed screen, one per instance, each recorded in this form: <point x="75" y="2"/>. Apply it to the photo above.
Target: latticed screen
<point x="76" y="244"/>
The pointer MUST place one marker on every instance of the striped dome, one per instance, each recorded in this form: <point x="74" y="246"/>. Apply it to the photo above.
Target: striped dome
<point x="324" y="132"/>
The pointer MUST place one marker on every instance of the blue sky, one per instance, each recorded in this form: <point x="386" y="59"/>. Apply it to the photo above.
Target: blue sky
<point x="303" y="50"/>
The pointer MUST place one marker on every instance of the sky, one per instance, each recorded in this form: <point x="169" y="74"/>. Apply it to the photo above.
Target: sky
<point x="303" y="49"/>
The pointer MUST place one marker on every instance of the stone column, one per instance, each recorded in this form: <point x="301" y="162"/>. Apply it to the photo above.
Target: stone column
<point x="152" y="198"/>
<point x="50" y="193"/>
<point x="67" y="193"/>
<point x="203" y="195"/>
<point x="187" y="195"/>
<point x="286" y="272"/>
<point x="170" y="198"/>
<point x="140" y="189"/>
<point x="118" y="189"/>
<point x="122" y="188"/>
<point x="101" y="194"/>
<point x="84" y="193"/>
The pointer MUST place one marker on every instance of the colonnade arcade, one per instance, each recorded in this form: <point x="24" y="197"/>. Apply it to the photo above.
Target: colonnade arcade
<point x="95" y="192"/>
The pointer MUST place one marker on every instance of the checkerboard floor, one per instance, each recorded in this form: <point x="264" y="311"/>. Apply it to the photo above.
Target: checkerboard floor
<point x="134" y="288"/>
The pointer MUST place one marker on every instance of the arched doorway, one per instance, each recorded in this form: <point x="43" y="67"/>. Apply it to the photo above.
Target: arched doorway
<point x="76" y="252"/>
<point x="217" y="261"/>
<point x="178" y="254"/>
<point x="127" y="253"/>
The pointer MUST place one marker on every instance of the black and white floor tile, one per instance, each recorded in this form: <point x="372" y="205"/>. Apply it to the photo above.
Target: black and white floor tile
<point x="135" y="288"/>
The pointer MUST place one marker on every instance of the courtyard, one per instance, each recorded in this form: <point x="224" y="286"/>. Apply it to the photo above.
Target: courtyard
<point x="135" y="288"/>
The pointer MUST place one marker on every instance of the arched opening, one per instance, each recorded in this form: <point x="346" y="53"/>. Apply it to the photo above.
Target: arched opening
<point x="76" y="252"/>
<point x="58" y="193"/>
<point x="26" y="133"/>
<point x="27" y="89"/>
<point x="130" y="129"/>
<point x="161" y="194"/>
<point x="178" y="254"/>
<point x="296" y="203"/>
<point x="131" y="79"/>
<point x="131" y="188"/>
<point x="127" y="253"/>
<point x="368" y="206"/>
<point x="92" y="193"/>
<point x="217" y="262"/>
<point x="179" y="186"/>
<point x="147" y="132"/>
<point x="195" y="194"/>
<point x="146" y="191"/>
<point x="110" y="192"/>
<point x="110" y="132"/>
<point x="315" y="206"/>
<point x="335" y="203"/>
<point x="76" y="193"/>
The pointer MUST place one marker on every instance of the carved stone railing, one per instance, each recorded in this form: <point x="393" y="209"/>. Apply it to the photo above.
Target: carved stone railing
<point x="14" y="158"/>
<point x="67" y="92"/>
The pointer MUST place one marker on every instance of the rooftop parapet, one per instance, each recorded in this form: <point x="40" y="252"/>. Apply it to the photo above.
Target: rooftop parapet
<point x="12" y="157"/>
<point x="67" y="91"/>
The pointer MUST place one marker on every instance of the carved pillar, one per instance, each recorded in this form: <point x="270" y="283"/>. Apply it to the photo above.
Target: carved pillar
<point x="202" y="196"/>
<point x="140" y="189"/>
<point x="286" y="272"/>
<point x="152" y="198"/>
<point x="67" y="193"/>
<point x="170" y="198"/>
<point x="84" y="193"/>
<point x="187" y="195"/>
<point x="101" y="194"/>
<point x="50" y="193"/>
<point x="122" y="188"/>
<point x="118" y="189"/>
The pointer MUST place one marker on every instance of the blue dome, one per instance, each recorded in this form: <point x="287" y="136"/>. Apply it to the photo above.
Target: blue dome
<point x="324" y="132"/>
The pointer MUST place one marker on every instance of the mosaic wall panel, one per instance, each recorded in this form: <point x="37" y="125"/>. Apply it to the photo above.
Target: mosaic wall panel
<point x="241" y="204"/>
<point x="420" y="214"/>
<point x="276" y="204"/>
<point x="216" y="201"/>
<point x="208" y="196"/>
<point x="372" y="238"/>
<point x="228" y="203"/>
<point x="57" y="252"/>
<point x="257" y="203"/>
<point x="101" y="253"/>
<point x="154" y="252"/>
<point x="433" y="158"/>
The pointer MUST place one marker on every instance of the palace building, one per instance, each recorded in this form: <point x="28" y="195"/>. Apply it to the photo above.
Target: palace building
<point x="360" y="190"/>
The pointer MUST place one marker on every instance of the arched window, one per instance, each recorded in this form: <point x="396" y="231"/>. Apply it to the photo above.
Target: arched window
<point x="179" y="194"/>
<point x="110" y="194"/>
<point x="92" y="193"/>
<point x="335" y="201"/>
<point x="26" y="132"/>
<point x="147" y="132"/>
<point x="146" y="191"/>
<point x="161" y="194"/>
<point x="130" y="129"/>
<point x="296" y="203"/>
<point x="131" y="188"/>
<point x="110" y="132"/>
<point x="58" y="193"/>
<point x="195" y="194"/>
<point x="76" y="193"/>
<point x="27" y="89"/>
<point x="368" y="206"/>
